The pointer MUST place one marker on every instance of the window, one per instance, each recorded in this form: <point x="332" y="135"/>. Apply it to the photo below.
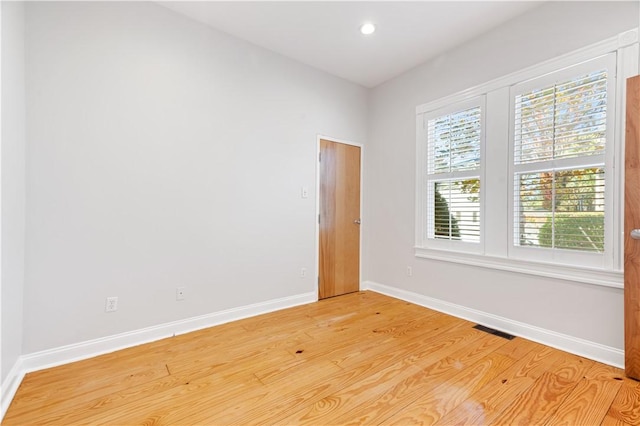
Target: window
<point x="560" y="209"/>
<point x="524" y="173"/>
<point x="562" y="142"/>
<point x="453" y="162"/>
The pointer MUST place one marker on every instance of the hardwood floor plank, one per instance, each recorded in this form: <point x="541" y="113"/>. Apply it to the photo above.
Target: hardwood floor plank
<point x="235" y="353"/>
<point x="250" y="397"/>
<point x="280" y="401"/>
<point x="438" y="327"/>
<point x="456" y="376"/>
<point x="625" y="407"/>
<point x="538" y="402"/>
<point x="426" y="397"/>
<point x="219" y="374"/>
<point x="262" y="401"/>
<point x="72" y="411"/>
<point x="325" y="410"/>
<point x="195" y="395"/>
<point x="301" y="395"/>
<point x="84" y="386"/>
<point x="590" y="400"/>
<point x="542" y="399"/>
<point x="587" y="404"/>
<point x="485" y="405"/>
<point x="317" y="347"/>
<point x="612" y="421"/>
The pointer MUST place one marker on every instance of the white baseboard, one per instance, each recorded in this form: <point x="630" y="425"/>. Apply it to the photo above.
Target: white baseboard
<point x="564" y="342"/>
<point x="10" y="386"/>
<point x="83" y="350"/>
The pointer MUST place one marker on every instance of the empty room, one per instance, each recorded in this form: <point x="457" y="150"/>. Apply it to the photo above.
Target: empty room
<point x="320" y="213"/>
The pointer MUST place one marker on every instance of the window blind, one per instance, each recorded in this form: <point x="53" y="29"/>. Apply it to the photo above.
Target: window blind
<point x="456" y="209"/>
<point x="454" y="141"/>
<point x="562" y="121"/>
<point x="453" y="167"/>
<point x="559" y="179"/>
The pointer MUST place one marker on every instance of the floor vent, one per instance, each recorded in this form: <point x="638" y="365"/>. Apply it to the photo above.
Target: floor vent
<point x="494" y="332"/>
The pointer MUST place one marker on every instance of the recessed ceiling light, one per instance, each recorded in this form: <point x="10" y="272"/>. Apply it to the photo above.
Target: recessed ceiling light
<point x="367" y="28"/>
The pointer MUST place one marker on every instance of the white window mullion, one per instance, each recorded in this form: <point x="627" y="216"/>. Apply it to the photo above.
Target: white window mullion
<point x="421" y="186"/>
<point x="562" y="164"/>
<point x="461" y="175"/>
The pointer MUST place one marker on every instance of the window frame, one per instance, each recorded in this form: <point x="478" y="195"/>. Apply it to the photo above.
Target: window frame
<point x="422" y="190"/>
<point x="497" y="232"/>
<point x="603" y="260"/>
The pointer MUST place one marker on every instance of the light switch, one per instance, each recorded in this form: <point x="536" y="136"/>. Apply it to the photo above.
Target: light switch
<point x="304" y="192"/>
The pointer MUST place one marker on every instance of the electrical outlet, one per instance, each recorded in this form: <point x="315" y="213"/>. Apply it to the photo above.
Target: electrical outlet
<point x="111" y="304"/>
<point x="180" y="293"/>
<point x="409" y="271"/>
<point x="303" y="272"/>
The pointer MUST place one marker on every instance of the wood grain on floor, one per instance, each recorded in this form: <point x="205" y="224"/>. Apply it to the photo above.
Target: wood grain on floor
<point x="362" y="358"/>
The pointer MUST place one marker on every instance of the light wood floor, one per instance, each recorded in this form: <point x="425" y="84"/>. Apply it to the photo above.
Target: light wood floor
<point x="363" y="358"/>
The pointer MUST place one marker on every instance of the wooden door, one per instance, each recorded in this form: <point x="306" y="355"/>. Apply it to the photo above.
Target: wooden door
<point x="631" y="222"/>
<point x="339" y="251"/>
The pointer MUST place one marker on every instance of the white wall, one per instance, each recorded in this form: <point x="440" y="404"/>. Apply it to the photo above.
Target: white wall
<point x="585" y="311"/>
<point x="162" y="153"/>
<point x="13" y="183"/>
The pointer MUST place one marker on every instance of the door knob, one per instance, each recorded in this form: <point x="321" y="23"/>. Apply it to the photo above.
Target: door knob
<point x="635" y="234"/>
<point x="357" y="222"/>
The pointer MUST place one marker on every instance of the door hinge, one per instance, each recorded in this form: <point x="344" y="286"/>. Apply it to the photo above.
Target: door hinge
<point x="318" y="219"/>
<point x="319" y="156"/>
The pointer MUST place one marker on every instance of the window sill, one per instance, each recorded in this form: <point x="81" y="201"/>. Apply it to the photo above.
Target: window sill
<point x="601" y="277"/>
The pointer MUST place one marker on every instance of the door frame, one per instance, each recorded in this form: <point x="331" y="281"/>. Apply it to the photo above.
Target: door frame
<point x="317" y="239"/>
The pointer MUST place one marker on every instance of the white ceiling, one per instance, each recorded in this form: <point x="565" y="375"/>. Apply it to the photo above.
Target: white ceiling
<point x="326" y="35"/>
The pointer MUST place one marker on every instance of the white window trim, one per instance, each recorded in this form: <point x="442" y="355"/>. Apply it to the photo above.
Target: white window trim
<point x="562" y="272"/>
<point x="495" y="251"/>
